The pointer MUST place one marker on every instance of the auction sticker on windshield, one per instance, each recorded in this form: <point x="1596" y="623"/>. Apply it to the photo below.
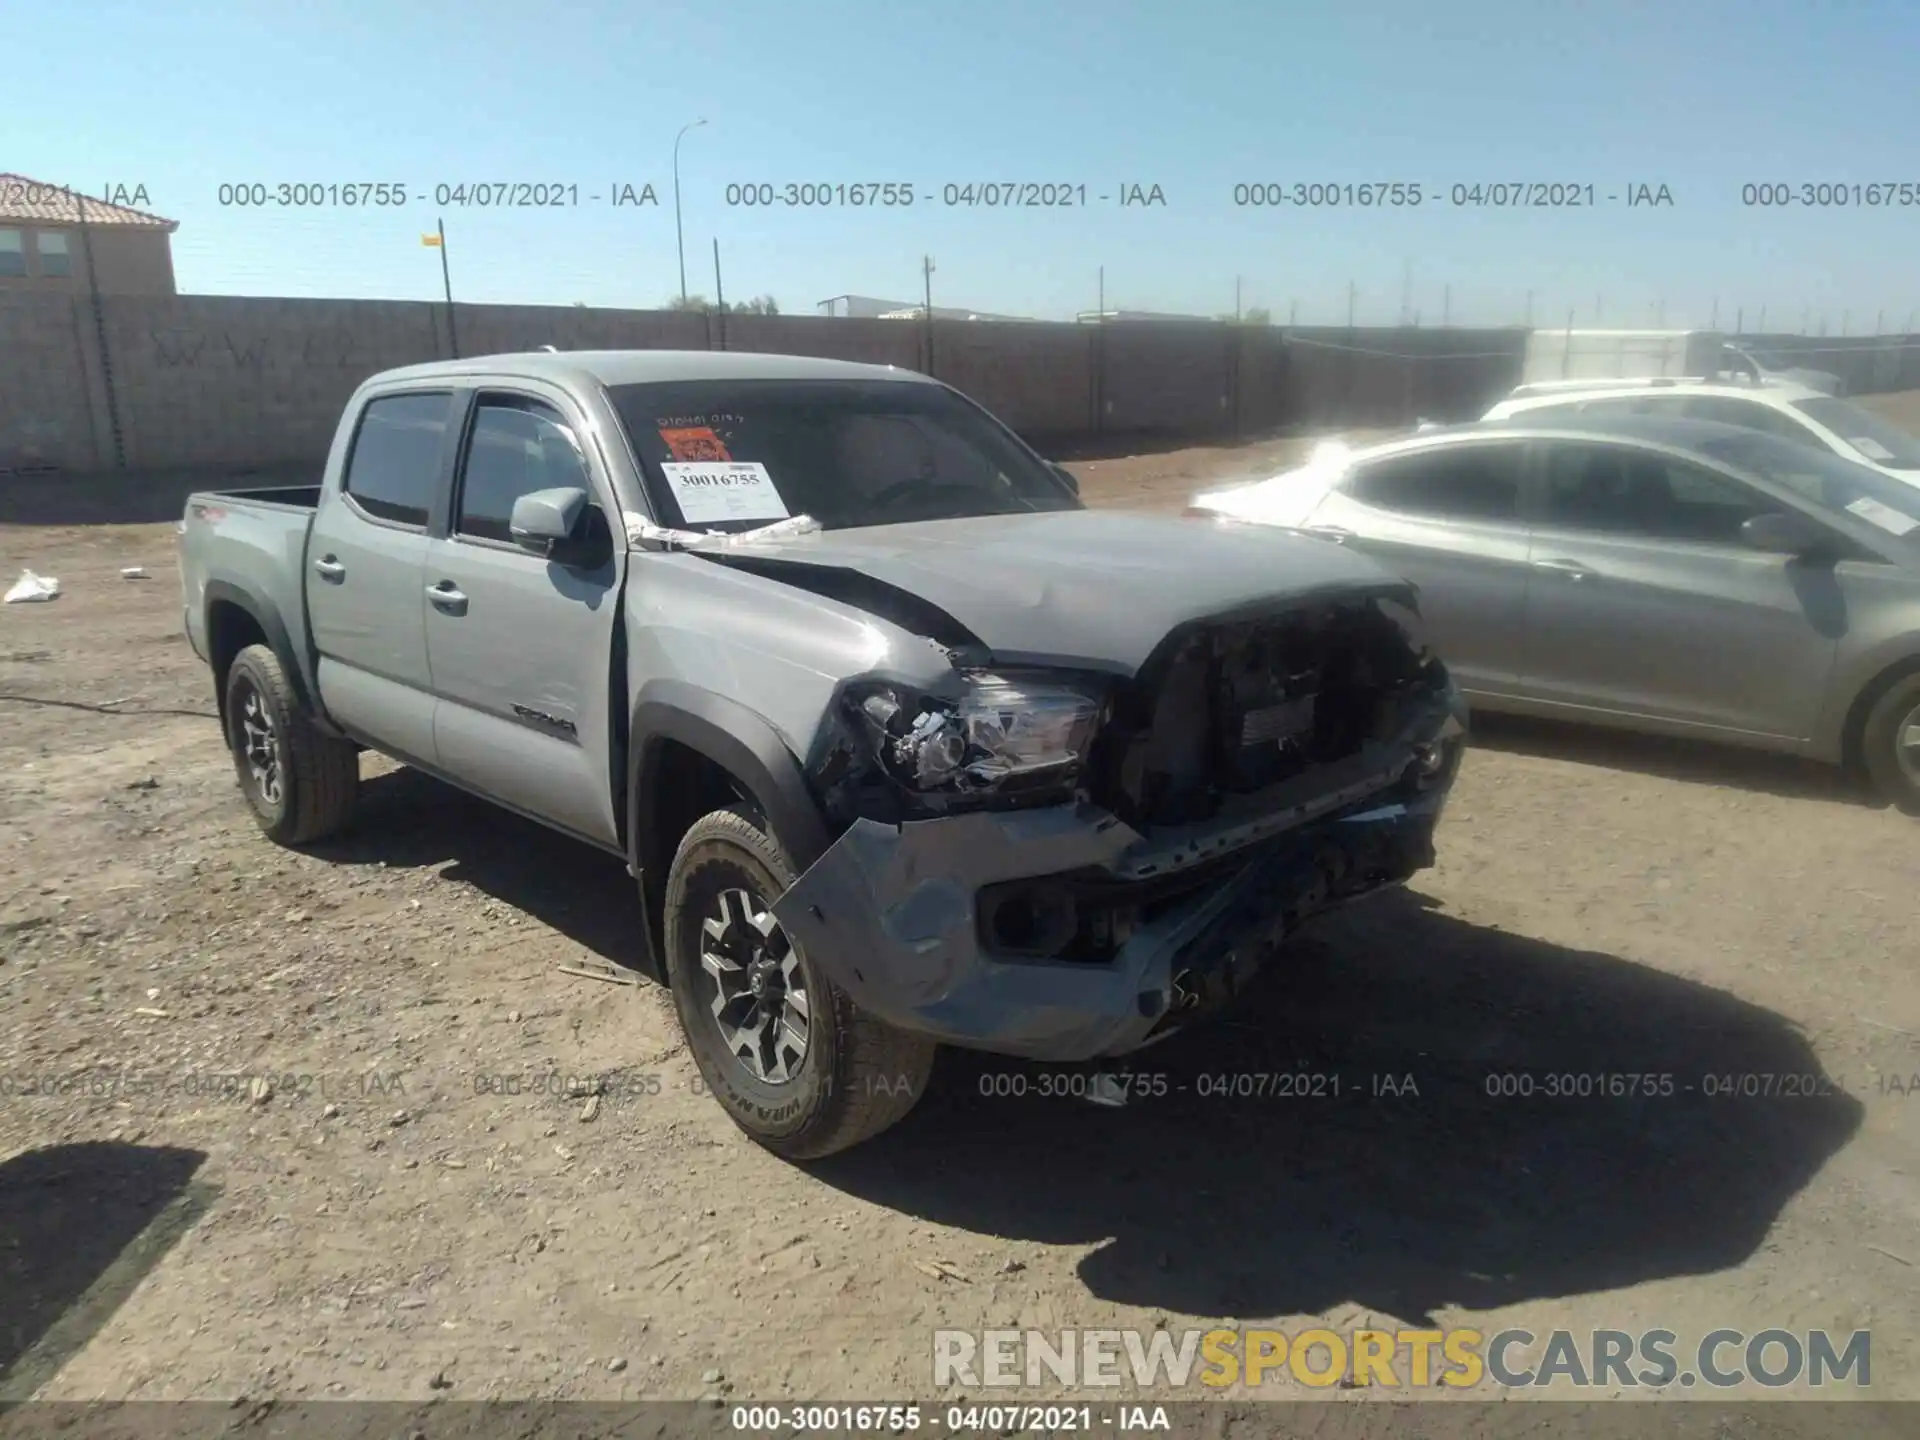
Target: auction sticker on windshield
<point x="715" y="490"/>
<point x="1870" y="447"/>
<point x="694" y="442"/>
<point x="1874" y="513"/>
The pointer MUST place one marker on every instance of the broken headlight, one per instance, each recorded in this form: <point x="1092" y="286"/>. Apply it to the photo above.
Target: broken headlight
<point x="1002" y="733"/>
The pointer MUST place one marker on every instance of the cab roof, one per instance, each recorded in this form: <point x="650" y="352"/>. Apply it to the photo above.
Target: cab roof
<point x="639" y="367"/>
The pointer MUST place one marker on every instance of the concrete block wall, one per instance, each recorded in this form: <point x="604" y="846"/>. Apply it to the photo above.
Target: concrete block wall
<point x="52" y="406"/>
<point x="236" y="382"/>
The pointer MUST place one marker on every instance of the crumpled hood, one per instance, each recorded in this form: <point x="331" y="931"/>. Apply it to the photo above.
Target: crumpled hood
<point x="1081" y="587"/>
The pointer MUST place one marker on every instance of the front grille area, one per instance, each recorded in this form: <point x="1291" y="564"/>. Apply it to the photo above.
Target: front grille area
<point x="1228" y="709"/>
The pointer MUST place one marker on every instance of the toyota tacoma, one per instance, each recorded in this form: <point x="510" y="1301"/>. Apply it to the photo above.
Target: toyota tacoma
<point x="904" y="746"/>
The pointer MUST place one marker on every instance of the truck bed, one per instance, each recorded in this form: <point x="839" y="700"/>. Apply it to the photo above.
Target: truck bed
<point x="302" y="497"/>
<point x="247" y="546"/>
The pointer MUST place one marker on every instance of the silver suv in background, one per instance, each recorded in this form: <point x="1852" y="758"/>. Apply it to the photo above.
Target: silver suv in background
<point x="1663" y="575"/>
<point x="1795" y="412"/>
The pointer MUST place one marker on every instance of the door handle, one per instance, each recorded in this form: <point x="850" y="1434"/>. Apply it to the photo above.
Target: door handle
<point x="1570" y="569"/>
<point x="328" y="568"/>
<point x="1329" y="532"/>
<point x="447" y="598"/>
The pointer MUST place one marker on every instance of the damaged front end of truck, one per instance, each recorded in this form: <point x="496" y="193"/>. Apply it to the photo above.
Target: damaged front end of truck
<point x="1068" y="864"/>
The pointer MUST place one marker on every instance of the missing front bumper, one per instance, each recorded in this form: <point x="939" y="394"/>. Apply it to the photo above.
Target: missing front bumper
<point x="889" y="914"/>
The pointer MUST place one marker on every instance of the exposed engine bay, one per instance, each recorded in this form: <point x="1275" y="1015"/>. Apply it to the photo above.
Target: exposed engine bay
<point x="1230" y="710"/>
<point x="1146" y="840"/>
<point x="1222" y="713"/>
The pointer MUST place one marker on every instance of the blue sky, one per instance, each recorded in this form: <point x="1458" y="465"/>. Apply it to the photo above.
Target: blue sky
<point x="1700" y="96"/>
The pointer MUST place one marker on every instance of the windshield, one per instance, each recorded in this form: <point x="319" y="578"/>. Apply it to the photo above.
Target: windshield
<point x="732" y="455"/>
<point x="1881" y="441"/>
<point x="1828" y="480"/>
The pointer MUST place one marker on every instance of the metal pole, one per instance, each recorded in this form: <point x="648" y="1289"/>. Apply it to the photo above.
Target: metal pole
<point x="446" y="282"/>
<point x="1845" y="316"/>
<point x="1293" y="313"/>
<point x="926" y="278"/>
<point x="1236" y="299"/>
<point x="1099" y="376"/>
<point x="100" y="333"/>
<point x="678" y="239"/>
<point x="1566" y="350"/>
<point x="1350" y="299"/>
<point x="1446" y="307"/>
<point x="1714" y="323"/>
<point x="1761" y="328"/>
<point x="719" y="295"/>
<point x="1740" y="320"/>
<point x="1406" y="292"/>
<point x="1880" y="323"/>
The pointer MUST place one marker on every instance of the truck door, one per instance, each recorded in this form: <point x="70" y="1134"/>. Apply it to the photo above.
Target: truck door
<point x="521" y="647"/>
<point x="365" y="595"/>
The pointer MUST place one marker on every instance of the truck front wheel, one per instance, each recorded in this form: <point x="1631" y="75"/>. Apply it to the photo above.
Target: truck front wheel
<point x="299" y="783"/>
<point x="790" y="1058"/>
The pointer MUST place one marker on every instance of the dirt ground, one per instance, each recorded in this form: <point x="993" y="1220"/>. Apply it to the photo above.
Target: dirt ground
<point x="395" y="1197"/>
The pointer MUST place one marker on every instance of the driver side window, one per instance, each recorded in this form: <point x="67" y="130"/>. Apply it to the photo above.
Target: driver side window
<point x="516" y="446"/>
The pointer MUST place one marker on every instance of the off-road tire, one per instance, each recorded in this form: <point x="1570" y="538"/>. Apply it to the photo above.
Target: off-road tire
<point x="1880" y="736"/>
<point x="859" y="1075"/>
<point x="318" y="775"/>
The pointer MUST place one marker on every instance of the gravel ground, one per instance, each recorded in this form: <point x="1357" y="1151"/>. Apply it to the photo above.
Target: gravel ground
<point x="379" y="1185"/>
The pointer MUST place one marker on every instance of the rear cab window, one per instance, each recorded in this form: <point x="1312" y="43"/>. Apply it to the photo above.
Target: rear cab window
<point x="1455" y="482"/>
<point x="393" y="469"/>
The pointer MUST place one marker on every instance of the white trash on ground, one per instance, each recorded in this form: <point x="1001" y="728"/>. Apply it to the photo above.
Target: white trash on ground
<point x="134" y="572"/>
<point x="30" y="587"/>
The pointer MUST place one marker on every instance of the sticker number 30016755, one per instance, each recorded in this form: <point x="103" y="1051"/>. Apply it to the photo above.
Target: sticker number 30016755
<point x="709" y="491"/>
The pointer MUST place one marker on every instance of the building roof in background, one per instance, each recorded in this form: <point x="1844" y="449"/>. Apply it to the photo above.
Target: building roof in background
<point x="23" y="199"/>
<point x="1087" y="317"/>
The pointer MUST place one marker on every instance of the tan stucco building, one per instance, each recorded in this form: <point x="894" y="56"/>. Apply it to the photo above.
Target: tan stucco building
<point x="54" y="241"/>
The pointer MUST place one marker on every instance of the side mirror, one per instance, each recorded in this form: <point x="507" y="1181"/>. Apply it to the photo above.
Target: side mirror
<point x="1782" y="533"/>
<point x="1067" y="478"/>
<point x="544" y="520"/>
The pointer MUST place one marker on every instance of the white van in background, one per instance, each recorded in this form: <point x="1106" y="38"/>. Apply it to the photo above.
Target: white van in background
<point x="1576" y="358"/>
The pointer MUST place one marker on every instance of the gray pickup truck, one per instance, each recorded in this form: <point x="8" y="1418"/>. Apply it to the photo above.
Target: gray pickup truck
<point x="904" y="745"/>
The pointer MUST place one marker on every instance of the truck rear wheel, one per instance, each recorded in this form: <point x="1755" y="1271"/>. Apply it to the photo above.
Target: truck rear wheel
<point x="299" y="783"/>
<point x="792" y="1060"/>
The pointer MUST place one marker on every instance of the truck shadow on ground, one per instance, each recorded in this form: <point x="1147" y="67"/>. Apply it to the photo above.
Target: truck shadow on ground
<point x="408" y="819"/>
<point x="1696" y="762"/>
<point x="1423" y="1182"/>
<point x="80" y="1226"/>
